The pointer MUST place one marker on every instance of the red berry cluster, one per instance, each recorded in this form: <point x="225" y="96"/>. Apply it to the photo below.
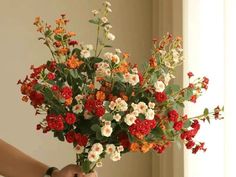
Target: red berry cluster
<point x="95" y="106"/>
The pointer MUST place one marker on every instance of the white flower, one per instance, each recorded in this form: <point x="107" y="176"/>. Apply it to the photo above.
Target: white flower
<point x="115" y="156"/>
<point x="99" y="164"/>
<point x="79" y="149"/>
<point x="89" y="47"/>
<point x="108" y="123"/>
<point x="108" y="55"/>
<point x="98" y="148"/>
<point x="167" y="78"/>
<point x="79" y="97"/>
<point x="108" y="9"/>
<point x="121" y="105"/>
<point x="85" y="53"/>
<point x="95" y="12"/>
<point x="106" y="130"/>
<point x="87" y="115"/>
<point x="104" y="19"/>
<point x="142" y="107"/>
<point x="151" y="105"/>
<point x="135" y="70"/>
<point x="136" y="113"/>
<point x="107" y="27"/>
<point x="107" y="3"/>
<point x="118" y="51"/>
<point x="117" y="117"/>
<point x="130" y="119"/>
<point x="110" y="148"/>
<point x="120" y="148"/>
<point x="78" y="108"/>
<point x="159" y="86"/>
<point x="162" y="52"/>
<point x="116" y="59"/>
<point x="150" y="114"/>
<point x="111" y="36"/>
<point x="112" y="105"/>
<point x="93" y="156"/>
<point x="134" y="79"/>
<point x="168" y="64"/>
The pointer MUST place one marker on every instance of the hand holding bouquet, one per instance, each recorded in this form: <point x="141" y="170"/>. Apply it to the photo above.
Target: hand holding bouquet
<point x="104" y="105"/>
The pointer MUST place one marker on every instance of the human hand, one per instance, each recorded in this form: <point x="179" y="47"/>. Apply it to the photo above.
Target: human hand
<point x="69" y="171"/>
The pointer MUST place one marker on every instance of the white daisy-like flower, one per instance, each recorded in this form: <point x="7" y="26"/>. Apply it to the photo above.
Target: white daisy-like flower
<point x="117" y="117"/>
<point x="78" y="108"/>
<point x="135" y="70"/>
<point x="130" y="119"/>
<point x="79" y="149"/>
<point x="93" y="156"/>
<point x="79" y="97"/>
<point x="89" y="47"/>
<point x="120" y="148"/>
<point x="134" y="79"/>
<point x="85" y="53"/>
<point x="112" y="105"/>
<point x="108" y="55"/>
<point x="115" y="156"/>
<point x="108" y="9"/>
<point x="99" y="164"/>
<point x="106" y="130"/>
<point x="150" y="114"/>
<point x="167" y="64"/>
<point x="118" y="51"/>
<point x="121" y="105"/>
<point x="111" y="36"/>
<point x="107" y="3"/>
<point x="151" y="105"/>
<point x="104" y="19"/>
<point x="95" y="12"/>
<point x="167" y="78"/>
<point x="159" y="86"/>
<point x="110" y="148"/>
<point x="107" y="27"/>
<point x="162" y="52"/>
<point x="98" y="148"/>
<point x="142" y="107"/>
<point x="136" y="113"/>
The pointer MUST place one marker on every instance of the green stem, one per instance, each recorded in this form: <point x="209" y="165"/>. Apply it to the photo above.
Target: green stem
<point x="98" y="31"/>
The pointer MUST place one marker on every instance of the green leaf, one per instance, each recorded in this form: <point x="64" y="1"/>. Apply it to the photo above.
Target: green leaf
<point x="95" y="21"/>
<point x="187" y="124"/>
<point x="188" y="94"/>
<point x="48" y="33"/>
<point x="208" y="119"/>
<point x="107" y="46"/>
<point x="157" y="132"/>
<point x="38" y="87"/>
<point x="206" y="111"/>
<point x="59" y="135"/>
<point x="74" y="73"/>
<point x="76" y="51"/>
<point x="58" y="37"/>
<point x="86" y="166"/>
<point x="131" y="138"/>
<point x="170" y="89"/>
<point x="108" y="117"/>
<point x="95" y="127"/>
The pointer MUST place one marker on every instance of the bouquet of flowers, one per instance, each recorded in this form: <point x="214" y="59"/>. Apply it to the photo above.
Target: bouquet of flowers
<point x="103" y="104"/>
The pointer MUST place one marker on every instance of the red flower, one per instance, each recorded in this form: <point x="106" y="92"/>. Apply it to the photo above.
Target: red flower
<point x="124" y="140"/>
<point x="191" y="86"/>
<point x="70" y="118"/>
<point x="51" y="66"/>
<point x="178" y="125"/>
<point x="159" y="149"/>
<point x="90" y="105"/>
<point x="140" y="78"/>
<point x="173" y="115"/>
<point x="190" y="144"/>
<point x="160" y="97"/>
<point x="73" y="43"/>
<point x="190" y="74"/>
<point x="66" y="92"/>
<point x="36" y="98"/>
<point x="82" y="140"/>
<point x="193" y="98"/>
<point x="195" y="125"/>
<point x="205" y="80"/>
<point x="55" y="122"/>
<point x="51" y="76"/>
<point x="100" y="111"/>
<point x="70" y="137"/>
<point x="38" y="127"/>
<point x="55" y="88"/>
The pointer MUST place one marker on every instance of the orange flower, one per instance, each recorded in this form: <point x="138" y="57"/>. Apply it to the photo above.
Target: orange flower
<point x="63" y="51"/>
<point x="125" y="55"/>
<point x="25" y="98"/>
<point x="37" y="20"/>
<point x="71" y="33"/>
<point x="59" y="31"/>
<point x="100" y="96"/>
<point x="112" y="97"/>
<point x="73" y="62"/>
<point x="123" y="68"/>
<point x="91" y="86"/>
<point x="153" y="62"/>
<point x="123" y="96"/>
<point x="68" y="101"/>
<point x="60" y="21"/>
<point x="134" y="147"/>
<point x="146" y="147"/>
<point x="100" y="78"/>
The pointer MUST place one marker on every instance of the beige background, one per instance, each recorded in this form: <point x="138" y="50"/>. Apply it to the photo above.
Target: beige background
<point x="134" y="22"/>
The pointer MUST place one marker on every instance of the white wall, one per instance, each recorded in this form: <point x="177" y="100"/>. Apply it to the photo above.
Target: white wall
<point x="19" y="49"/>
